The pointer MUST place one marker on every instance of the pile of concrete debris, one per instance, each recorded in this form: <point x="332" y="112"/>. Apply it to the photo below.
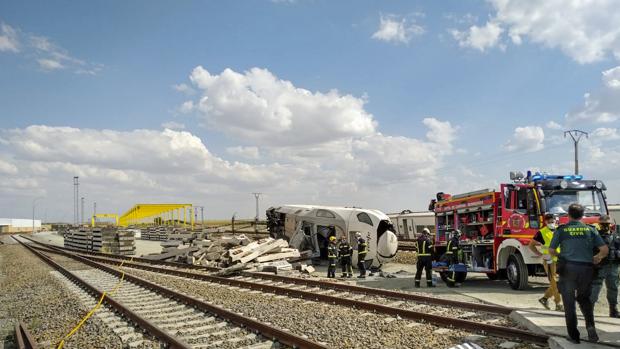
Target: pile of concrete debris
<point x="230" y="252"/>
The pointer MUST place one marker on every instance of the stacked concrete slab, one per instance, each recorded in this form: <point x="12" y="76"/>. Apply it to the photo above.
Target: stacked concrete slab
<point x="120" y="242"/>
<point x="80" y="239"/>
<point x="98" y="240"/>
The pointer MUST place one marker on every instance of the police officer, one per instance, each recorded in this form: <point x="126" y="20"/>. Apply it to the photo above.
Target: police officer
<point x="345" y="254"/>
<point x="608" y="268"/>
<point x="362" y="250"/>
<point x="424" y="247"/>
<point x="332" y="257"/>
<point x="543" y="238"/>
<point x="576" y="265"/>
<point x="452" y="252"/>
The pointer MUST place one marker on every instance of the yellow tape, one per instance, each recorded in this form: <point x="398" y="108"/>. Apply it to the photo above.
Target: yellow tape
<point x="95" y="308"/>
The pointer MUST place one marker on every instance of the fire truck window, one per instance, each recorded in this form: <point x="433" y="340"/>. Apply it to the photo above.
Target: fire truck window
<point x="522" y="200"/>
<point x="364" y="218"/>
<point x="507" y="195"/>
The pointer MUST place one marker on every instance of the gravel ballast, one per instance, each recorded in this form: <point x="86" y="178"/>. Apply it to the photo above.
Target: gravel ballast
<point x="30" y="293"/>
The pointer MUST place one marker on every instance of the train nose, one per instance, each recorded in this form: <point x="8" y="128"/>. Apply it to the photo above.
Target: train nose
<point x="387" y="246"/>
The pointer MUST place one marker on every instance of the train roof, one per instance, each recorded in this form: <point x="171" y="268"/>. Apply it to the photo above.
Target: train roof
<point x="341" y="211"/>
<point x="412" y="214"/>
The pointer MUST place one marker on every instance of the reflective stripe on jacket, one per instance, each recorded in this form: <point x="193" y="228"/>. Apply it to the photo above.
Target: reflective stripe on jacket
<point x="547" y="235"/>
<point x="424" y="250"/>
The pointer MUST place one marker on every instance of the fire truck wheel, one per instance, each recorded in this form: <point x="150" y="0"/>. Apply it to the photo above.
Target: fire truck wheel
<point x="516" y="272"/>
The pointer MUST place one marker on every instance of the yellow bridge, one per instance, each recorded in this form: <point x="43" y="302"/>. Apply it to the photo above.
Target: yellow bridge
<point x="159" y="214"/>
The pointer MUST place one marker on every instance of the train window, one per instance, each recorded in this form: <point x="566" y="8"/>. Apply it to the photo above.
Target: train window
<point x="325" y="214"/>
<point x="364" y="218"/>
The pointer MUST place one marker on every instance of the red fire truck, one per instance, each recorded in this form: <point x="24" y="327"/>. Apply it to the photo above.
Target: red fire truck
<point x="497" y="225"/>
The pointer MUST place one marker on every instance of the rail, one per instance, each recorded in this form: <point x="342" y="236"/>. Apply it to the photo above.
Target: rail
<point x="309" y="282"/>
<point x="439" y="320"/>
<point x="267" y="331"/>
<point x="24" y="339"/>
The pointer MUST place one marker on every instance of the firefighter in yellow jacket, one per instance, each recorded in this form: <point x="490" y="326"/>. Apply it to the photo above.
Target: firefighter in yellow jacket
<point x="543" y="239"/>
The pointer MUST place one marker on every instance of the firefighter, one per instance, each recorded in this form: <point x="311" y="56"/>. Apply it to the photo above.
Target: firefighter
<point x="424" y="246"/>
<point x="345" y="254"/>
<point x="608" y="268"/>
<point x="452" y="252"/>
<point x="543" y="238"/>
<point x="576" y="265"/>
<point x="332" y="257"/>
<point x="362" y="250"/>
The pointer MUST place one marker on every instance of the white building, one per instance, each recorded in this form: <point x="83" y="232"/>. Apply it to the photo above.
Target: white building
<point x="16" y="225"/>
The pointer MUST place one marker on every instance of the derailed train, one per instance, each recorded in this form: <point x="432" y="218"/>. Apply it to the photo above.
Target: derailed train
<point x="308" y="227"/>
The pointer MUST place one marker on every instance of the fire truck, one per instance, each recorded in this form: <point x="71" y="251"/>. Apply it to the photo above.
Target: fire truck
<point x="497" y="225"/>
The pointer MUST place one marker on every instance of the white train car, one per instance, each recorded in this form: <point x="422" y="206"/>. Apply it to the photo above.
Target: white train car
<point x="309" y="227"/>
<point x="409" y="225"/>
<point x="614" y="213"/>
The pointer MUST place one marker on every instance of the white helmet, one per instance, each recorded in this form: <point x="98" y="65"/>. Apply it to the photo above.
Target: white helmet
<point x="426" y="231"/>
<point x="358" y="235"/>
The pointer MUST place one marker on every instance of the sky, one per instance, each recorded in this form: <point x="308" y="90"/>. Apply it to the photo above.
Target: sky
<point x="349" y="103"/>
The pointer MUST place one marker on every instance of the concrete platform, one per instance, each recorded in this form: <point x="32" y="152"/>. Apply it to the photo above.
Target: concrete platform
<point x="552" y="323"/>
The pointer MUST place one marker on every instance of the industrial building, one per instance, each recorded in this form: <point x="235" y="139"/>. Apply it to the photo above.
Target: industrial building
<point x="16" y="225"/>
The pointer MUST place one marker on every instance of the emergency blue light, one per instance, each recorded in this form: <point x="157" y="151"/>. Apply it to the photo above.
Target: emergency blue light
<point x="543" y="176"/>
<point x="537" y="177"/>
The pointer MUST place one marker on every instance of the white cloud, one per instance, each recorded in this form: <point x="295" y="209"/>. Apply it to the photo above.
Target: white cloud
<point x="397" y="29"/>
<point x="9" y="41"/>
<point x="605" y="134"/>
<point x="7" y="168"/>
<point x="479" y="38"/>
<point x="173" y="125"/>
<point x="586" y="31"/>
<point x="184" y="88"/>
<point x="48" y="55"/>
<point x="244" y="152"/>
<point x="526" y="139"/>
<point x="258" y="107"/>
<point x="186" y="107"/>
<point x="554" y="126"/>
<point x="602" y="105"/>
<point x="50" y="64"/>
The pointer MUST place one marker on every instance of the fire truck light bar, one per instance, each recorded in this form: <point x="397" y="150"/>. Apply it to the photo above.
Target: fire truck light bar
<point x="543" y="176"/>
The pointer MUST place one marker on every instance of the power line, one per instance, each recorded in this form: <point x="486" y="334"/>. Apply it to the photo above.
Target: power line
<point x="576" y="136"/>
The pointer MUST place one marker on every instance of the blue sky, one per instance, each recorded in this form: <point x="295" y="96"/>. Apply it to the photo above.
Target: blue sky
<point x="481" y="69"/>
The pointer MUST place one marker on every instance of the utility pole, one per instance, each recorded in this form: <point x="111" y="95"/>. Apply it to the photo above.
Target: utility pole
<point x="576" y="136"/>
<point x="76" y="191"/>
<point x="34" y="203"/>
<point x="82" y="216"/>
<point x="256" y="196"/>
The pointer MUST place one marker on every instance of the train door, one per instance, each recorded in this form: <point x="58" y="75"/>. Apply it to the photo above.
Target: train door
<point x="405" y="231"/>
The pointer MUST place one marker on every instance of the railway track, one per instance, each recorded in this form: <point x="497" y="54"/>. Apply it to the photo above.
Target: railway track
<point x="396" y="295"/>
<point x="177" y="320"/>
<point x="392" y="303"/>
<point x="23" y="338"/>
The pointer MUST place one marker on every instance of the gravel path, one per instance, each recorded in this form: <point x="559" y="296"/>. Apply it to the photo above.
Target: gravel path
<point x="29" y="292"/>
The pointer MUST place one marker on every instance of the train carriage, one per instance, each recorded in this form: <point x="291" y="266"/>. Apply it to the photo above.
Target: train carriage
<point x="310" y="226"/>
